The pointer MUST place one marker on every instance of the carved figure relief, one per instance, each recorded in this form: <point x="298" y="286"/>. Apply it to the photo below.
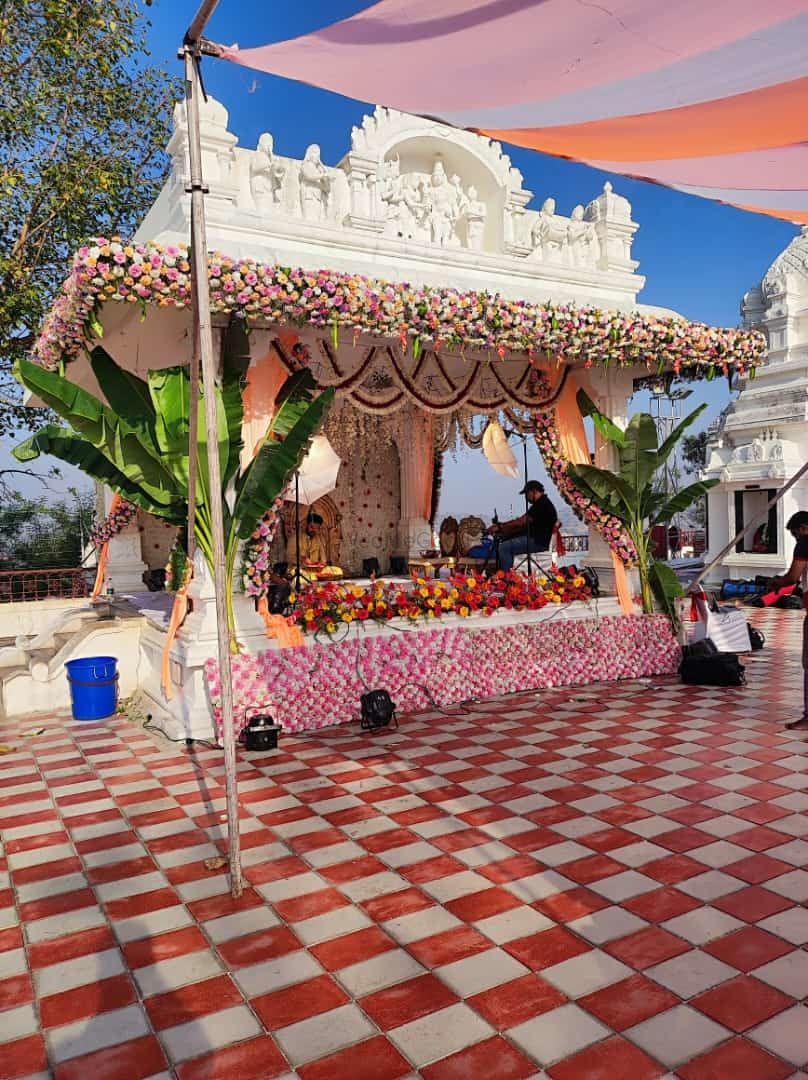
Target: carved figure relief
<point x="581" y="239"/>
<point x="267" y="175"/>
<point x="314" y="186"/>
<point x="549" y="233"/>
<point x="442" y="196"/>
<point x="475" y="214"/>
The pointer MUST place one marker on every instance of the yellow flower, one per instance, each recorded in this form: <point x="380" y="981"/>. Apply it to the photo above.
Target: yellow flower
<point x="578" y="582"/>
<point x="454" y="594"/>
<point x="424" y="592"/>
<point x="471" y="582"/>
<point x="331" y="627"/>
<point x="446" y="604"/>
<point x="357" y="591"/>
<point x="308" y="615"/>
<point x="542" y="581"/>
<point x="347" y="617"/>
<point x="556" y="598"/>
<point x="464" y="611"/>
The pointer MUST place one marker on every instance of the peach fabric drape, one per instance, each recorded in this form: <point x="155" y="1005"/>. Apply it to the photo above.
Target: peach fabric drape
<point x="178" y="613"/>
<point x="572" y="437"/>
<point x="265" y="377"/>
<point x="287" y="634"/>
<point x="103" y="554"/>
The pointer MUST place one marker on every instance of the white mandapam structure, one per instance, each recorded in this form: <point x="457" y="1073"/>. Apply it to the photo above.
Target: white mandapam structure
<point x="762" y="438"/>
<point x="412" y="200"/>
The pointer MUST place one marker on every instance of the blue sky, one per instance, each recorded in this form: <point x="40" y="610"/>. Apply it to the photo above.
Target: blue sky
<point x="698" y="257"/>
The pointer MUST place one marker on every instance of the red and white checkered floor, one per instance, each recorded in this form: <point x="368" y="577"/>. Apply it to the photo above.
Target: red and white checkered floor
<point x="606" y="883"/>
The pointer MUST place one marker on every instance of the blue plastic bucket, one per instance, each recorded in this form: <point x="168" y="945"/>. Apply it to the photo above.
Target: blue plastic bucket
<point x="93" y="687"/>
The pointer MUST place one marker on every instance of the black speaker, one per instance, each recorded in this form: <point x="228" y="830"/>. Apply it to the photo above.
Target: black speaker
<point x="378" y="710"/>
<point x="261" y="733"/>
<point x="370" y="568"/>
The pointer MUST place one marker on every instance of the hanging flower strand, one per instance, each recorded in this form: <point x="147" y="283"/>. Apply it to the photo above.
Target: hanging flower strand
<point x="102" y="532"/>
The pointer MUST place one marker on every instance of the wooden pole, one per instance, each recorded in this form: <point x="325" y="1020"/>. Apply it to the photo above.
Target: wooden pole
<point x="757" y="520"/>
<point x="208" y="364"/>
<point x="193" y="417"/>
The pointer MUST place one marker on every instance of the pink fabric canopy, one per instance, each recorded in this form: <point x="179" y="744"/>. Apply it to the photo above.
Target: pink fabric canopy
<point x="707" y="96"/>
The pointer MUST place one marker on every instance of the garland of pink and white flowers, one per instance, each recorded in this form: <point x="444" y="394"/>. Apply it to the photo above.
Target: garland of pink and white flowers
<point x="115" y="522"/>
<point x="256" y="568"/>
<point x="609" y="527"/>
<point x="149" y="273"/>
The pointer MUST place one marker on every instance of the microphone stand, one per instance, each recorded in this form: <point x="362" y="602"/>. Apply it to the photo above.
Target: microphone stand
<point x="297" y="531"/>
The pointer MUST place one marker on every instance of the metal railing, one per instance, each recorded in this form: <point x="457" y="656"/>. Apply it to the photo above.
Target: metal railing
<point x="59" y="584"/>
<point x="575" y="542"/>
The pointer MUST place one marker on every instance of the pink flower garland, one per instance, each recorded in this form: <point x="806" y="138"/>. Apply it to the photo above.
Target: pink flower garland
<point x="114" y="523"/>
<point x="257" y="567"/>
<point x="609" y="527"/>
<point x="311" y="688"/>
<point x="111" y="269"/>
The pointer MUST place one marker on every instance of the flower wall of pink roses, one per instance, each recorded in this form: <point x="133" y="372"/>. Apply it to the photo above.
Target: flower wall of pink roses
<point x="310" y="688"/>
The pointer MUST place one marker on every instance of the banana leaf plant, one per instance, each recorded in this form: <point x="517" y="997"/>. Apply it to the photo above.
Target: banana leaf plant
<point x="136" y="441"/>
<point x="632" y="493"/>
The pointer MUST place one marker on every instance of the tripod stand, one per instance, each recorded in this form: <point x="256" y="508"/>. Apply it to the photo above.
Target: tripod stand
<point x="528" y="538"/>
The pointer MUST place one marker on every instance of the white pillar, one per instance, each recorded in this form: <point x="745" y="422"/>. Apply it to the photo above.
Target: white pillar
<point x="611" y="390"/>
<point x="417" y="460"/>
<point x="125" y="565"/>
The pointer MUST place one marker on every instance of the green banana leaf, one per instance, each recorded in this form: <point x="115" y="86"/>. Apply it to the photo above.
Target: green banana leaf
<point x="296" y="422"/>
<point x="64" y="444"/>
<point x="126" y="394"/>
<point x="638" y="452"/>
<point x="127" y="447"/>
<point x="607" y="428"/>
<point x="681" y="500"/>
<point x="666" y="588"/>
<point x="667" y="446"/>
<point x="235" y="364"/>
<point x="609" y="490"/>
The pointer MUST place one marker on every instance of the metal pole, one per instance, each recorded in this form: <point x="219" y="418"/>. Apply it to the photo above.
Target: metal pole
<point x="206" y="9"/>
<point x="527" y="509"/>
<point x="193" y="415"/>
<point x="751" y="525"/>
<point x="208" y="364"/>
<point x="297" y="531"/>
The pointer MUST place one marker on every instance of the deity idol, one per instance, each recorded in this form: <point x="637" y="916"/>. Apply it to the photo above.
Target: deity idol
<point x="442" y="206"/>
<point x="314" y="186"/>
<point x="266" y="175"/>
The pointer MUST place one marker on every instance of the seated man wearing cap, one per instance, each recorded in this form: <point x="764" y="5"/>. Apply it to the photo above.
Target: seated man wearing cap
<point x="534" y="526"/>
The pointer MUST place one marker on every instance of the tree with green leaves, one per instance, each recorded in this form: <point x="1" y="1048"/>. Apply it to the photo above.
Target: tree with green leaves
<point x="633" y="495"/>
<point x="137" y="441"/>
<point x="38" y="534"/>
<point x="84" y="119"/>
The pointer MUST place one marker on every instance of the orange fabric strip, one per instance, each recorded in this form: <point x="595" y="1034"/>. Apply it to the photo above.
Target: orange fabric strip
<point x="621" y="585"/>
<point x="574" y="444"/>
<point x="772" y="116"/>
<point x="178" y="613"/>
<point x="288" y="635"/>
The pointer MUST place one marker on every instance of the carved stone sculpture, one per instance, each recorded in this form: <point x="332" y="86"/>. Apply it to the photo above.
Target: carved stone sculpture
<point x="392" y="195"/>
<point x="549" y="233"/>
<point x="580" y="239"/>
<point x="314" y="186"/>
<point x="442" y="206"/>
<point x="475" y="213"/>
<point x="267" y="174"/>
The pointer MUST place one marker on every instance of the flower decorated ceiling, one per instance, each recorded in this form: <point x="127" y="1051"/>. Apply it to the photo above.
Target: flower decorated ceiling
<point x="346" y="308"/>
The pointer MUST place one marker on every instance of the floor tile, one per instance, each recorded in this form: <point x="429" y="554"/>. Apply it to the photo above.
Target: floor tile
<point x="557" y="1034"/>
<point x="677" y="1035"/>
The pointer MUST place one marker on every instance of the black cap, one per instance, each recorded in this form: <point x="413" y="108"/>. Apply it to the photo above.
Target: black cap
<point x="532" y="485"/>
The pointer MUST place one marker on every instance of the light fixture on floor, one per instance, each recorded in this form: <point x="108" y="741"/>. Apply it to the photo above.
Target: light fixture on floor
<point x="261" y="732"/>
<point x="378" y="710"/>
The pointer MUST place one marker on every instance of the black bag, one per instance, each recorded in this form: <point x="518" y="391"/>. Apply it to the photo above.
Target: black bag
<point x="378" y="709"/>
<point x="789" y="603"/>
<point x="756" y="639"/>
<point x="699" y="649"/>
<point x="720" y="669"/>
<point x="278" y="598"/>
